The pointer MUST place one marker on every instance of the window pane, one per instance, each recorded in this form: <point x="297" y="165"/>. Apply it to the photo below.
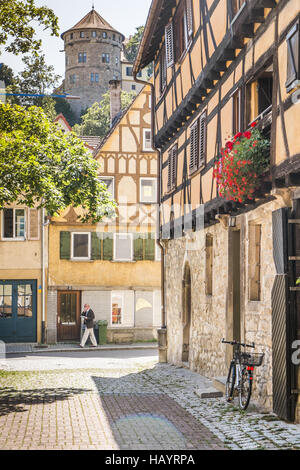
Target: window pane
<point x="68" y="309"/>
<point x="147" y="190"/>
<point x="8" y="223"/>
<point x="109" y="182"/>
<point x="5" y="301"/>
<point x="116" y="310"/>
<point x="123" y="247"/>
<point x="19" y="223"/>
<point x="81" y="245"/>
<point x="25" y="300"/>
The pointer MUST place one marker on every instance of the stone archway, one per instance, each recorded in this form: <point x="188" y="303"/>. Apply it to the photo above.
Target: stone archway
<point x="186" y="312"/>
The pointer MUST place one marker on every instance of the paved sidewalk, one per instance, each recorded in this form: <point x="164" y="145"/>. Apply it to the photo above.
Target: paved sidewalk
<point x="20" y="348"/>
<point x="137" y="405"/>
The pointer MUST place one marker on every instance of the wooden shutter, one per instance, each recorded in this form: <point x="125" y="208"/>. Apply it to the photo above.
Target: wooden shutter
<point x="194" y="146"/>
<point x="169" y="169"/>
<point x="293" y="52"/>
<point x="202" y="140"/>
<point x="138" y="250"/>
<point x="33" y="229"/>
<point x="65" y="245"/>
<point x="163" y="70"/>
<point x="189" y="18"/>
<point x="174" y="166"/>
<point x="96" y="245"/>
<point x="150" y="247"/>
<point x="169" y="41"/>
<point x="108" y="245"/>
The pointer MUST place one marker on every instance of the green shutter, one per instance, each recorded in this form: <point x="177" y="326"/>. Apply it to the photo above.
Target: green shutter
<point x="138" y="247"/>
<point x="96" y="245"/>
<point x="65" y="245"/>
<point x="108" y="246"/>
<point x="150" y="247"/>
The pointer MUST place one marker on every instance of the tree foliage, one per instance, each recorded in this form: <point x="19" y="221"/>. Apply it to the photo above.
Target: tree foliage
<point x="39" y="164"/>
<point x="16" y="29"/>
<point x="96" y="121"/>
<point x="132" y="48"/>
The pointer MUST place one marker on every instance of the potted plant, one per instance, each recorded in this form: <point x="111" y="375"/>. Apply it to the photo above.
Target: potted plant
<point x="243" y="160"/>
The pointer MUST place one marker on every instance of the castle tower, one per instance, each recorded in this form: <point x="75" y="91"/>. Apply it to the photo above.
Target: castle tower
<point x="93" y="58"/>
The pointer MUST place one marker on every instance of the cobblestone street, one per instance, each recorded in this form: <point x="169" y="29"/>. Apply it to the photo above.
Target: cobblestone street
<point x="123" y="400"/>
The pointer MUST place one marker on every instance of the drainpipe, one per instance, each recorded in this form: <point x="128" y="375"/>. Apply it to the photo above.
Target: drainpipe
<point x="43" y="225"/>
<point x="162" y="332"/>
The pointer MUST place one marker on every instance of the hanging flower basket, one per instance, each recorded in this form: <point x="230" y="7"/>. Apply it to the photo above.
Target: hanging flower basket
<point x="243" y="160"/>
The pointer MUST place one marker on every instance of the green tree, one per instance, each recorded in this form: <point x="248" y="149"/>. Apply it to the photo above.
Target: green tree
<point x="133" y="45"/>
<point x="39" y="164"/>
<point x="96" y="121"/>
<point x="63" y="106"/>
<point x="7" y="75"/>
<point x="16" y="29"/>
<point x="36" y="78"/>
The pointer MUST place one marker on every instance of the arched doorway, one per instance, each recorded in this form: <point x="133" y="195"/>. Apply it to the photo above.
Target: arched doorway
<point x="186" y="312"/>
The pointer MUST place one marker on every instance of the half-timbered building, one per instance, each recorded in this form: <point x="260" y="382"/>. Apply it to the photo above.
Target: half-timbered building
<point x="115" y="265"/>
<point x="222" y="69"/>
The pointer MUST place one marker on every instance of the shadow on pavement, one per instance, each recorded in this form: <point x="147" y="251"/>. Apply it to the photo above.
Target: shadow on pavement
<point x="16" y="401"/>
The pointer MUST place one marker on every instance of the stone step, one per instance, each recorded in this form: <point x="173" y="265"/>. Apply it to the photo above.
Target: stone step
<point x="219" y="383"/>
<point x="209" y="392"/>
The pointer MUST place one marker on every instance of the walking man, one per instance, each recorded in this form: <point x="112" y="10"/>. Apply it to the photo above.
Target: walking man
<point x="88" y="316"/>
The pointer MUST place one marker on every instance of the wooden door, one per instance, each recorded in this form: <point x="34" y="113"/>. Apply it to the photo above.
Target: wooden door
<point x="68" y="318"/>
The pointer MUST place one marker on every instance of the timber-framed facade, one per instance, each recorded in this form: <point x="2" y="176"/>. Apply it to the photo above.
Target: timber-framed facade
<point x="221" y="66"/>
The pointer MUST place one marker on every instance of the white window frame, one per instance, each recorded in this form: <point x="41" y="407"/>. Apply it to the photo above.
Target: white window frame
<point x="147" y="149"/>
<point x="115" y="247"/>
<point x="118" y="295"/>
<point x="72" y="246"/>
<point x="103" y="178"/>
<point x="14" y="238"/>
<point x="157" y="252"/>
<point x="155" y="190"/>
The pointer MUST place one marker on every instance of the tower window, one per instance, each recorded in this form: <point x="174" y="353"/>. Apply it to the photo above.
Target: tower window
<point x="95" y="77"/>
<point x="82" y="57"/>
<point x="71" y="36"/>
<point x="104" y="35"/>
<point x="117" y="61"/>
<point x="82" y="34"/>
<point x="105" y="58"/>
<point x="73" y="78"/>
<point x="94" y="34"/>
<point x="114" y="37"/>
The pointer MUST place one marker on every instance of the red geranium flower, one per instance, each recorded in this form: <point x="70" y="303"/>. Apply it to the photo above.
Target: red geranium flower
<point x="253" y="124"/>
<point x="247" y="134"/>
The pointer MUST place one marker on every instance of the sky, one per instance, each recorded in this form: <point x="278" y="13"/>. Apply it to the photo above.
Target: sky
<point x="123" y="15"/>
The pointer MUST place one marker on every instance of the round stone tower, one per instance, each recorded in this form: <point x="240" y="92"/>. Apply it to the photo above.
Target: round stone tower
<point x="93" y="58"/>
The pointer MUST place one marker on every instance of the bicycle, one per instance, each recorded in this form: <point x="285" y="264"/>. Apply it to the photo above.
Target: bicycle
<point x="240" y="374"/>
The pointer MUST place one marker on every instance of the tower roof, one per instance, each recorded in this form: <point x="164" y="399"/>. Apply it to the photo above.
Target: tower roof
<point x="93" y="20"/>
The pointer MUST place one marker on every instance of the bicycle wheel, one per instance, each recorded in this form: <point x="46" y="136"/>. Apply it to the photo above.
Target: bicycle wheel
<point x="229" y="388"/>
<point x="245" y="388"/>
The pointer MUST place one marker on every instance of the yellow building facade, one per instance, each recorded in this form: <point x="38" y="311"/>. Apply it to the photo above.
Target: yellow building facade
<point x="115" y="265"/>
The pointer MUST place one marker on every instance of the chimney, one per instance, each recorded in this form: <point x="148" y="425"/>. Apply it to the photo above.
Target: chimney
<point x="115" y="99"/>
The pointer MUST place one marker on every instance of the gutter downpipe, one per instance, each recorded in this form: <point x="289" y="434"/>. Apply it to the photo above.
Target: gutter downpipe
<point x="162" y="332"/>
<point x="44" y="224"/>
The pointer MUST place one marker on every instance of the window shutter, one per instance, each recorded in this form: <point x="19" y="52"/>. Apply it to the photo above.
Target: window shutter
<point x="194" y="149"/>
<point x="174" y="165"/>
<point x="189" y="18"/>
<point x="293" y="46"/>
<point x="150" y="247"/>
<point x="202" y="140"/>
<point x="33" y="229"/>
<point x="169" y="169"/>
<point x="138" y="251"/>
<point x="169" y="40"/>
<point x="96" y="245"/>
<point x="108" y="246"/>
<point x="65" y="245"/>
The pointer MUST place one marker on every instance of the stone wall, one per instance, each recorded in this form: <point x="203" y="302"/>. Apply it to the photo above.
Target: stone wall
<point x="211" y="316"/>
